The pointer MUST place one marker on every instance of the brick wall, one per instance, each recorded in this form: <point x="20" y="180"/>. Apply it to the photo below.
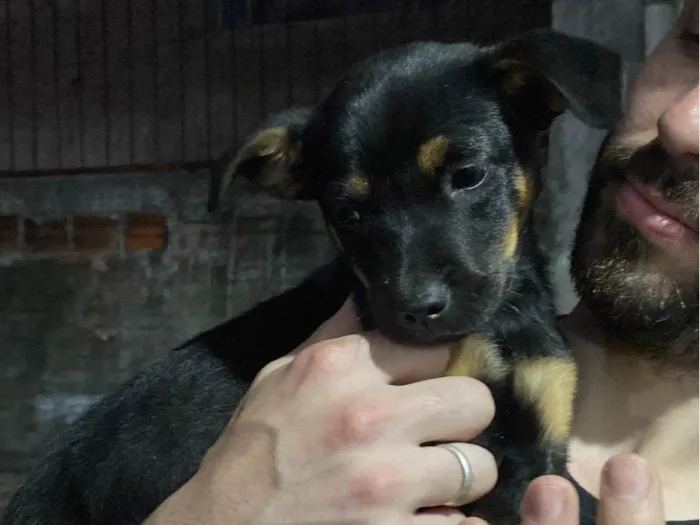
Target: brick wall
<point x="102" y="277"/>
<point x="81" y="237"/>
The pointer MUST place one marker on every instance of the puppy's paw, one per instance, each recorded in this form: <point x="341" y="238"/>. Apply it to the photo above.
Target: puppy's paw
<point x="518" y="467"/>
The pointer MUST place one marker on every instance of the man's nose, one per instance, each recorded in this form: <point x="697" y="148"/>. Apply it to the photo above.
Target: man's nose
<point x="678" y="126"/>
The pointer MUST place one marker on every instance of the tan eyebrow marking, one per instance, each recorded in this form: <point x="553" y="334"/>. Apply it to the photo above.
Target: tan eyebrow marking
<point x="358" y="183"/>
<point x="524" y="189"/>
<point x="510" y="241"/>
<point x="431" y="154"/>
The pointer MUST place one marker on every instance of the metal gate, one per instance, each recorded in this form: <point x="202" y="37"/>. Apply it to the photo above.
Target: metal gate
<point x="97" y="86"/>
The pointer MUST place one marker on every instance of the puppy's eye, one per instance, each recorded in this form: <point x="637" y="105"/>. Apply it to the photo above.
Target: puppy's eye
<point x="467" y="178"/>
<point x="347" y="216"/>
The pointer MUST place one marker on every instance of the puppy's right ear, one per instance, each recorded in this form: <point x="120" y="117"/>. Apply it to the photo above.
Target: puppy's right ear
<point x="543" y="72"/>
<point x="270" y="157"/>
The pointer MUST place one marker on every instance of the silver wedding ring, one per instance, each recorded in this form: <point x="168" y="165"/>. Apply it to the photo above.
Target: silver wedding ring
<point x="467" y="476"/>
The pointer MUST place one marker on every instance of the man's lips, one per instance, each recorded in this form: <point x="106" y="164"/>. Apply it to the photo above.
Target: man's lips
<point x="657" y="200"/>
<point x="645" y="208"/>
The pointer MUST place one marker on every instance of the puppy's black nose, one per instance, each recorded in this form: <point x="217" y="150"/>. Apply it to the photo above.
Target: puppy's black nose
<point x="426" y="306"/>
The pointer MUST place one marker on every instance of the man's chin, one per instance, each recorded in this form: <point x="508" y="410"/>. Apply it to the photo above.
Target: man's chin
<point x="644" y="294"/>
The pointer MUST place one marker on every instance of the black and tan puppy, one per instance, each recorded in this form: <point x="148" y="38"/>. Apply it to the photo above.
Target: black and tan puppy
<point x="424" y="162"/>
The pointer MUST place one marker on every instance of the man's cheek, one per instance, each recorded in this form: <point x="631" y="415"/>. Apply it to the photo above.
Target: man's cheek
<point x="640" y="123"/>
<point x="656" y="87"/>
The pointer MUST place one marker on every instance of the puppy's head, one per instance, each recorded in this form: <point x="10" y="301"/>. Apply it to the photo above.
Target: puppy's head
<point x="422" y="160"/>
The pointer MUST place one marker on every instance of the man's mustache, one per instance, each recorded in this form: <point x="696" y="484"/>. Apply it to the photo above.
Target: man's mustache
<point x="676" y="179"/>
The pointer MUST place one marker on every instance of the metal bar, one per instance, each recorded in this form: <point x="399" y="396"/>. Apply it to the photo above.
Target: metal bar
<point x="57" y="79"/>
<point x="317" y="59"/>
<point x="404" y="18"/>
<point x="155" y="68"/>
<point x="288" y="48"/>
<point x="375" y="26"/>
<point x="10" y="86"/>
<point x="207" y="74"/>
<point x="34" y="83"/>
<point x="436" y="21"/>
<point x="81" y="81"/>
<point x="181" y="34"/>
<point x="106" y="86"/>
<point x="261" y="71"/>
<point x="234" y="86"/>
<point x="132" y="103"/>
<point x="106" y="170"/>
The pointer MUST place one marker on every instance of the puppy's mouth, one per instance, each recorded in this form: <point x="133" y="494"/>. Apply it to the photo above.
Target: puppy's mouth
<point x="425" y="337"/>
<point x="387" y="321"/>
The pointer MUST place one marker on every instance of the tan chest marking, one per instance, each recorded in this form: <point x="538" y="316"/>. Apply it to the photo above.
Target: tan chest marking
<point x="549" y="385"/>
<point x="475" y="356"/>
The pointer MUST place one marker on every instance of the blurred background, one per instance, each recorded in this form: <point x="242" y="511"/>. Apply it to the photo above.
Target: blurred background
<point x="111" y="114"/>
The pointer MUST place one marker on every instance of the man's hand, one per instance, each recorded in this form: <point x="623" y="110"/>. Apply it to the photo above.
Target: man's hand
<point x="335" y="433"/>
<point x="630" y="495"/>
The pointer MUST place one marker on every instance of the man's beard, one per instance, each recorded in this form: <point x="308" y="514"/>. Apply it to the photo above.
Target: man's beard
<point x="645" y="299"/>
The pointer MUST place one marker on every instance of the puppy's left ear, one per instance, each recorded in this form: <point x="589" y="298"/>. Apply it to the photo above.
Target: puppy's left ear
<point x="270" y="157"/>
<point x="542" y="73"/>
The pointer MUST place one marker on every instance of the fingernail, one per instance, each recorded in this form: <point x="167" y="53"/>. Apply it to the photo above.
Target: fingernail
<point x="543" y="503"/>
<point x="627" y="478"/>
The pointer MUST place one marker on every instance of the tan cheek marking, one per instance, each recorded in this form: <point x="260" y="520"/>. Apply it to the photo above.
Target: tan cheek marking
<point x="359" y="184"/>
<point x="510" y="241"/>
<point x="524" y="189"/>
<point x="431" y="154"/>
<point x="476" y="356"/>
<point x="549" y="385"/>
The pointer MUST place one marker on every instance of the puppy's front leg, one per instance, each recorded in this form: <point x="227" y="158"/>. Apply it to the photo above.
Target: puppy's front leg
<point x="533" y="380"/>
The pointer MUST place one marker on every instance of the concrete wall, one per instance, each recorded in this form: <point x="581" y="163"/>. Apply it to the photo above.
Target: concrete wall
<point x="102" y="274"/>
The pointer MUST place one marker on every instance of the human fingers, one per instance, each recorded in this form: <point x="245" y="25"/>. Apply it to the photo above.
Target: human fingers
<point x="550" y="500"/>
<point x="453" y="474"/>
<point x="442" y="409"/>
<point x="630" y="493"/>
<point x="414" y="478"/>
<point x="439" y="516"/>
<point x="402" y="364"/>
<point x="473" y="521"/>
<point x="364" y="359"/>
<point x="436" y="516"/>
